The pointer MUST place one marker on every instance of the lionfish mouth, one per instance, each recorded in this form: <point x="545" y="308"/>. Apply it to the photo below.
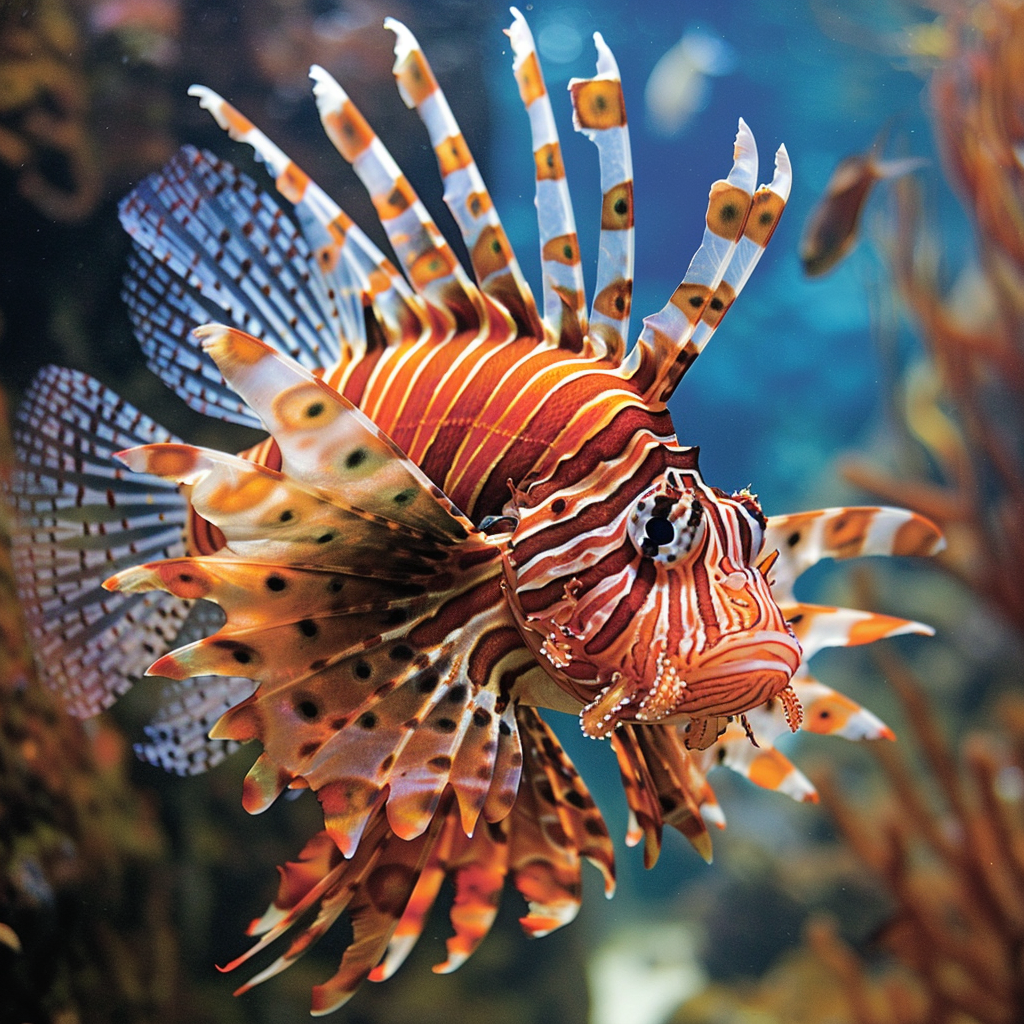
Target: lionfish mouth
<point x="730" y="680"/>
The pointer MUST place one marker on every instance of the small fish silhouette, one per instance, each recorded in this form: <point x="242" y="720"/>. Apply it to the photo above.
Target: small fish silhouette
<point x="831" y="229"/>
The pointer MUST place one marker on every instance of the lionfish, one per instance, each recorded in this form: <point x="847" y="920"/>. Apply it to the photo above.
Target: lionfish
<point x="465" y="511"/>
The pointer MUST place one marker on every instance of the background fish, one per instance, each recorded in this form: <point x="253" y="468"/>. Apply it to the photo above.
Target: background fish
<point x="830" y="231"/>
<point x="467" y="508"/>
<point x="678" y="86"/>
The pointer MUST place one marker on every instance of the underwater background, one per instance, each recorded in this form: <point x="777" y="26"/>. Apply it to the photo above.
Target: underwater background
<point x="122" y="887"/>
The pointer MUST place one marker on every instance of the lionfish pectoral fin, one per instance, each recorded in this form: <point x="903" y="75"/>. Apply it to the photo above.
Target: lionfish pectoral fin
<point x="68" y="489"/>
<point x="805" y="538"/>
<point x="739" y="223"/>
<point x="820" y="626"/>
<point x="388" y="885"/>
<point x="210" y="245"/>
<point x="369" y="610"/>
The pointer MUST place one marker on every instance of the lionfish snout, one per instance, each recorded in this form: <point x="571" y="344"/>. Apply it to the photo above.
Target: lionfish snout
<point x="654" y="610"/>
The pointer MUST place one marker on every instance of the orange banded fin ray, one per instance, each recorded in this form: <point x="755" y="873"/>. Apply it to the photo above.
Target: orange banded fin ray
<point x="375" y="911"/>
<point x="805" y="538"/>
<point x="599" y="112"/>
<point x="410" y="926"/>
<point x="680" y="787"/>
<point x="645" y="821"/>
<point x="565" y="309"/>
<point x="820" y="626"/>
<point x="672" y="338"/>
<point x="477" y="866"/>
<point x="329" y="444"/>
<point x="228" y="241"/>
<point x="428" y="260"/>
<point x="265" y="515"/>
<point x="763" y="765"/>
<point x="344" y="253"/>
<point x="766" y="209"/>
<point x="830" y="713"/>
<point x="81" y="516"/>
<point x="495" y="265"/>
<point x="567" y="816"/>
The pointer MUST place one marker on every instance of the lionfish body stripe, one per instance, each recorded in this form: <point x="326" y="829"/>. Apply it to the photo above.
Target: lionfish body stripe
<point x="466" y="509"/>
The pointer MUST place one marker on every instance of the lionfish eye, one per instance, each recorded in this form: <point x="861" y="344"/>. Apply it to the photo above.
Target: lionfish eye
<point x="667" y="524"/>
<point x="660" y="530"/>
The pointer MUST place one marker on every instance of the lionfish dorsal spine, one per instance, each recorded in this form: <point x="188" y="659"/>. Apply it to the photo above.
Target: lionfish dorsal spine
<point x="565" y="301"/>
<point x="345" y="252"/>
<point x="738" y="225"/>
<point x="599" y="112"/>
<point x="430" y="263"/>
<point x="494" y="263"/>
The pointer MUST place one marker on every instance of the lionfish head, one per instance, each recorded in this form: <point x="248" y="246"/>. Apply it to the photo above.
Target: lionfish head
<point x="652" y="606"/>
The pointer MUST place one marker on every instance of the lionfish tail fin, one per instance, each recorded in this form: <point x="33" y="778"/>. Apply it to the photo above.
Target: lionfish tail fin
<point x="80" y="518"/>
<point x="739" y="223"/>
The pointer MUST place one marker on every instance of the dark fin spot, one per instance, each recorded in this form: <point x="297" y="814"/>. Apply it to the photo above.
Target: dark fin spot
<point x="428" y="681"/>
<point x="275" y="583"/>
<point x="363" y="670"/>
<point x="307" y="627"/>
<point x="308" y="709"/>
<point x="367" y="720"/>
<point x="356" y="457"/>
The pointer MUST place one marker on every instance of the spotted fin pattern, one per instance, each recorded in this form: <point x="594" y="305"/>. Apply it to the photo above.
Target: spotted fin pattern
<point x="428" y="259"/>
<point x="201" y="222"/>
<point x="82" y="517"/>
<point x="353" y="265"/>
<point x="389" y="885"/>
<point x="496" y="268"/>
